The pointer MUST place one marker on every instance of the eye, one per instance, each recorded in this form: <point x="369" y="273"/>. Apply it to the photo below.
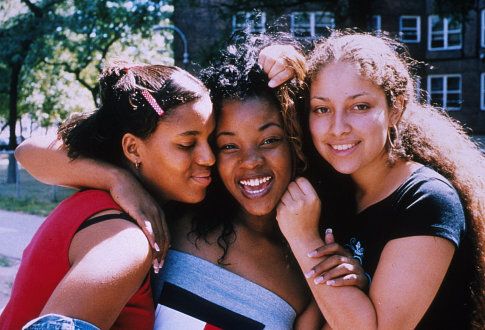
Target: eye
<point x="321" y="110"/>
<point x="186" y="146"/>
<point x="361" y="107"/>
<point x="271" y="140"/>
<point x="227" y="147"/>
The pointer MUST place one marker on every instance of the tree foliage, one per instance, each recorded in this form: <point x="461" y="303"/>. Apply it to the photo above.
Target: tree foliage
<point x="52" y="49"/>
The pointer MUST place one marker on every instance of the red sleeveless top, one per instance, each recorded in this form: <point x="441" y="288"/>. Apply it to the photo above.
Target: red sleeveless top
<point x="45" y="261"/>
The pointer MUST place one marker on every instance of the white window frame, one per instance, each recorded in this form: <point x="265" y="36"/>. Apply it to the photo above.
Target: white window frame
<point x="249" y="21"/>
<point x="482" y="91"/>
<point x="445" y="90"/>
<point x="416" y="28"/>
<point x="482" y="29"/>
<point x="311" y="25"/>
<point x="445" y="32"/>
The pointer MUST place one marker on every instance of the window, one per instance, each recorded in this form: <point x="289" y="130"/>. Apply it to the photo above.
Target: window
<point x="255" y="22"/>
<point x="311" y="24"/>
<point x="482" y="91"/>
<point x="482" y="28"/>
<point x="410" y="29"/>
<point x="445" y="91"/>
<point x="376" y="23"/>
<point x="444" y="33"/>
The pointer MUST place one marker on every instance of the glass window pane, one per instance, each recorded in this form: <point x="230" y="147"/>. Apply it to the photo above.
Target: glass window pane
<point x="437" y="41"/>
<point x="437" y="99"/>
<point x="454" y="24"/>
<point x="408" y="23"/>
<point x="453" y="100"/>
<point x="436" y="24"/>
<point x="436" y="84"/>
<point x="453" y="83"/>
<point x="454" y="39"/>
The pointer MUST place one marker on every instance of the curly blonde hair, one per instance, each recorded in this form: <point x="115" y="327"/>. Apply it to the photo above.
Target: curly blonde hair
<point x="426" y="134"/>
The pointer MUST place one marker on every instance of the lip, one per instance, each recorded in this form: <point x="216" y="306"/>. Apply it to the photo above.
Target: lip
<point x="202" y="179"/>
<point x="254" y="192"/>
<point x="345" y="148"/>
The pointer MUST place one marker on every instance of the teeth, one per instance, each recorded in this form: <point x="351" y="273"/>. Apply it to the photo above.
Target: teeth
<point x="342" y="147"/>
<point x="255" y="182"/>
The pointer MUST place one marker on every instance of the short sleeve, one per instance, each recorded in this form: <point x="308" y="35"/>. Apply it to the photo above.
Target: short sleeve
<point x="431" y="207"/>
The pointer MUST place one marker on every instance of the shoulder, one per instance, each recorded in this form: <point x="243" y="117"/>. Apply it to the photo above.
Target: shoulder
<point x="116" y="242"/>
<point x="429" y="204"/>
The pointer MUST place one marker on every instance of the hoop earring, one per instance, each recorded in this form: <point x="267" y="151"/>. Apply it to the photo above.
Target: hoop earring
<point x="393" y="137"/>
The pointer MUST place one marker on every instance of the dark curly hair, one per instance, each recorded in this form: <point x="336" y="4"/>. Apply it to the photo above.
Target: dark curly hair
<point x="236" y="75"/>
<point x="124" y="109"/>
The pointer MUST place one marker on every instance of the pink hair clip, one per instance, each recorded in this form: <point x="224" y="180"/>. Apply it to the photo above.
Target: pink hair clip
<point x="153" y="103"/>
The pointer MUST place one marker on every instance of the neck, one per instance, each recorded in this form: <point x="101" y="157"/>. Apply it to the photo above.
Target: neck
<point x="264" y="225"/>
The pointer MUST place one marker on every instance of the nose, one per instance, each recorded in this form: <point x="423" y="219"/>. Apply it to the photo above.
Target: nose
<point x="251" y="159"/>
<point x="205" y="156"/>
<point x="340" y="124"/>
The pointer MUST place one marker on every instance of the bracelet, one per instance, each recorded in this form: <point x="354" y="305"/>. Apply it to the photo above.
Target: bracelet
<point x="369" y="278"/>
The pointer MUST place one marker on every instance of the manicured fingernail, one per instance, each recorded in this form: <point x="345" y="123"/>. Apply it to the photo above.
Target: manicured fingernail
<point x="160" y="265"/>
<point x="318" y="280"/>
<point x="330" y="282"/>
<point x="156" y="247"/>
<point x="156" y="266"/>
<point x="310" y="273"/>
<point x="271" y="84"/>
<point x="328" y="231"/>
<point x="312" y="253"/>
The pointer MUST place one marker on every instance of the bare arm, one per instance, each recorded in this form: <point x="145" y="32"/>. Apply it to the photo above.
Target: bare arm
<point x="408" y="276"/>
<point x="46" y="159"/>
<point x="109" y="262"/>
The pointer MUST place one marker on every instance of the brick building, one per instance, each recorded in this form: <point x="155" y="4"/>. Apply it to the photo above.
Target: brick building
<point x="453" y="49"/>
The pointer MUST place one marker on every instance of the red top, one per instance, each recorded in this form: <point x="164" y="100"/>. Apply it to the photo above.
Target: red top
<point x="45" y="261"/>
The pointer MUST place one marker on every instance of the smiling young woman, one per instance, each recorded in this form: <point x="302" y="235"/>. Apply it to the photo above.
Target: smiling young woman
<point x="417" y="187"/>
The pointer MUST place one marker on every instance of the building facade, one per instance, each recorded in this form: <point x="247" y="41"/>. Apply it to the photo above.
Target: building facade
<point x="452" y="48"/>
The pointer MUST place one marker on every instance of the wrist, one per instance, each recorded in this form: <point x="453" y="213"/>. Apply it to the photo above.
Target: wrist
<point x="304" y="244"/>
<point x="115" y="175"/>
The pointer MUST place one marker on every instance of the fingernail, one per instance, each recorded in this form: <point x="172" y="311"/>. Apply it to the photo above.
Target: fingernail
<point x="330" y="282"/>
<point x="328" y="231"/>
<point x="318" y="280"/>
<point x="312" y="253"/>
<point x="160" y="265"/>
<point x="309" y="273"/>
<point x="271" y="83"/>
<point x="156" y="270"/>
<point x="156" y="247"/>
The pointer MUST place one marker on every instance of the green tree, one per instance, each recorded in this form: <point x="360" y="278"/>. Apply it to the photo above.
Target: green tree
<point x="71" y="36"/>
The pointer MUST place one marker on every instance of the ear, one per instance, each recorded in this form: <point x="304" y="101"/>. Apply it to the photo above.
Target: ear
<point x="397" y="110"/>
<point x="131" y="145"/>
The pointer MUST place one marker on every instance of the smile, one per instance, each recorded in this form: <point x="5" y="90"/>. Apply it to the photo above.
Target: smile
<point x="343" y="147"/>
<point x="255" y="187"/>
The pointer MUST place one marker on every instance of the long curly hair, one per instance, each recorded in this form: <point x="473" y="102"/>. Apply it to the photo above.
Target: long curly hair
<point x="236" y="75"/>
<point x="426" y="134"/>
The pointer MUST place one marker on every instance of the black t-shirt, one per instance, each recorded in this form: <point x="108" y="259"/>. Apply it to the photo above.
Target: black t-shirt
<point x="426" y="204"/>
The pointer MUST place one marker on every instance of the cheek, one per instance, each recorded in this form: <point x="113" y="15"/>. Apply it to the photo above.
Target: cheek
<point x="318" y="129"/>
<point x="224" y="167"/>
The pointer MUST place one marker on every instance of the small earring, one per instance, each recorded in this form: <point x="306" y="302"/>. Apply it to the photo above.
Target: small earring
<point x="393" y="139"/>
<point x="137" y="165"/>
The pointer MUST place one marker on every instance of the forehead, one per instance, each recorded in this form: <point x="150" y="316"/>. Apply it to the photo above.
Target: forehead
<point x="191" y="116"/>
<point x="250" y="112"/>
<point x="344" y="77"/>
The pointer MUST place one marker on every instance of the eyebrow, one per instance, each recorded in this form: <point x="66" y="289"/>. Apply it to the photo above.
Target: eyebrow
<point x="350" y="97"/>
<point x="262" y="128"/>
<point x="190" y="133"/>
